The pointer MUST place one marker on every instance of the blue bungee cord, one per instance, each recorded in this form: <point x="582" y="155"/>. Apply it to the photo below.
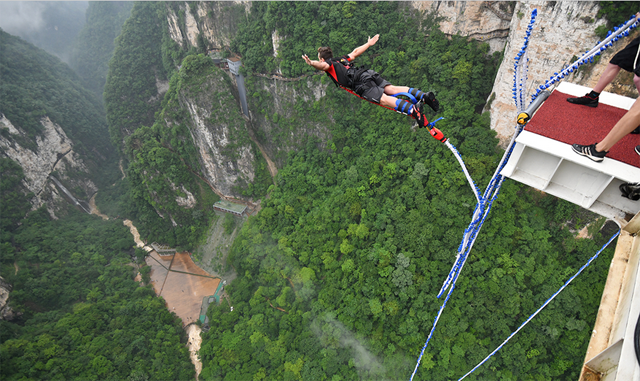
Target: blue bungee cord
<point x="483" y="207"/>
<point x="543" y="305"/>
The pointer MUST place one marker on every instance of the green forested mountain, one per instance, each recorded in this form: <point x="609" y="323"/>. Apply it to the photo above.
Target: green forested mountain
<point x="36" y="84"/>
<point x="37" y="87"/>
<point x="84" y="317"/>
<point x="130" y="94"/>
<point x="81" y="314"/>
<point x="156" y="130"/>
<point x="95" y="43"/>
<point x="338" y="272"/>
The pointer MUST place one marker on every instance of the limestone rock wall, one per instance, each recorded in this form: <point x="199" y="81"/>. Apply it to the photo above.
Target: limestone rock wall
<point x="217" y="21"/>
<point x="486" y="21"/>
<point x="6" y="313"/>
<point x="218" y="130"/>
<point x="272" y="106"/>
<point x="51" y="151"/>
<point x="562" y="30"/>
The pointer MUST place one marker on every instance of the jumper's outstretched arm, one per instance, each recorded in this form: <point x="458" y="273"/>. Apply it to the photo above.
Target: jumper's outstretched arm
<point x="318" y="65"/>
<point x="361" y="49"/>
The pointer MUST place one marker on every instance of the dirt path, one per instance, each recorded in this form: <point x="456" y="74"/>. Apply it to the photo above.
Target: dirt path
<point x="195" y="341"/>
<point x="121" y="169"/>
<point x="136" y="235"/>
<point x="94" y="208"/>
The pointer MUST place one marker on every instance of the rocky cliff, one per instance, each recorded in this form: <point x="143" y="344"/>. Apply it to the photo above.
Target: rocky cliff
<point x="563" y="30"/>
<point x="219" y="133"/>
<point x="271" y="100"/>
<point x="6" y="312"/>
<point x="216" y="21"/>
<point x="486" y="21"/>
<point x="52" y="151"/>
<point x="275" y="102"/>
<point x="50" y="126"/>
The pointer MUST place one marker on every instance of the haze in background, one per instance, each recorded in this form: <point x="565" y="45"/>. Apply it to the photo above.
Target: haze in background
<point x="51" y="26"/>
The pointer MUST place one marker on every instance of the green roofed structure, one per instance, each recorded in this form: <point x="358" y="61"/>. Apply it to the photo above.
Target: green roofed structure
<point x="230" y="207"/>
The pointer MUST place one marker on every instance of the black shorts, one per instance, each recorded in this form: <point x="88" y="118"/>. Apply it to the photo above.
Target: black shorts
<point x="370" y="85"/>
<point x="627" y="56"/>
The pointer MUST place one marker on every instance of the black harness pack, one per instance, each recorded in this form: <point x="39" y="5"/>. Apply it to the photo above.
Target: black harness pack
<point x="345" y="74"/>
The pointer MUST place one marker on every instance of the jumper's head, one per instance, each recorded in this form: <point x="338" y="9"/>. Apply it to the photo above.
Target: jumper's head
<point x="324" y="53"/>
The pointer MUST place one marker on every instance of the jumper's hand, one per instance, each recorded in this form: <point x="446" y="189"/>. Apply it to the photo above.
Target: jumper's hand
<point x="306" y="59"/>
<point x="372" y="40"/>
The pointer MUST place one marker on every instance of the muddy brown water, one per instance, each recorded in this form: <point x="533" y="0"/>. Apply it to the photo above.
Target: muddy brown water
<point x="181" y="283"/>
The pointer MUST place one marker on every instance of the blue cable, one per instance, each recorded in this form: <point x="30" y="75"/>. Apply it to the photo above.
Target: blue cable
<point x="543" y="305"/>
<point x="483" y="207"/>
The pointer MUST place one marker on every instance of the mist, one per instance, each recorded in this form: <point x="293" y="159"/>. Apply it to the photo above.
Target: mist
<point x="52" y="26"/>
<point x="333" y="333"/>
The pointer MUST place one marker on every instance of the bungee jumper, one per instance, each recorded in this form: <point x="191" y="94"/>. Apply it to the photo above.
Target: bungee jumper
<point x="370" y="86"/>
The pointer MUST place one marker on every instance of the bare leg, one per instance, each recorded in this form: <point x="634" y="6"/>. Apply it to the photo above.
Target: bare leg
<point x="391" y="89"/>
<point x="636" y="80"/>
<point x="387" y="100"/>
<point x="625" y="125"/>
<point x="607" y="76"/>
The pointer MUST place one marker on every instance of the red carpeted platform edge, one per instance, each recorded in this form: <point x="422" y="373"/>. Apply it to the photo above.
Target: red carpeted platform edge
<point x="569" y="123"/>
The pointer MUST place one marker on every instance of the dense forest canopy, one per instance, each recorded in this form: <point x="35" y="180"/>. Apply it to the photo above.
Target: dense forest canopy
<point x="84" y="317"/>
<point x="81" y="314"/>
<point x="130" y="92"/>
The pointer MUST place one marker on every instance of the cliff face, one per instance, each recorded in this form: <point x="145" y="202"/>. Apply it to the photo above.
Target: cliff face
<point x="486" y="21"/>
<point x="270" y="101"/>
<point x="217" y="21"/>
<point x="219" y="133"/>
<point x="562" y="30"/>
<point x="6" y="313"/>
<point x="51" y="151"/>
<point x="272" y="104"/>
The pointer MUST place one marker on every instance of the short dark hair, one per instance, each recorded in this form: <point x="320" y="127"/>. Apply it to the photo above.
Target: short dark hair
<point x="325" y="52"/>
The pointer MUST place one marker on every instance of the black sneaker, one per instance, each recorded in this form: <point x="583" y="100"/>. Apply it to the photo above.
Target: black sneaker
<point x="419" y="117"/>
<point x="587" y="100"/>
<point x="589" y="151"/>
<point x="429" y="99"/>
<point x="636" y="131"/>
<point x="638" y="150"/>
<point x="630" y="191"/>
